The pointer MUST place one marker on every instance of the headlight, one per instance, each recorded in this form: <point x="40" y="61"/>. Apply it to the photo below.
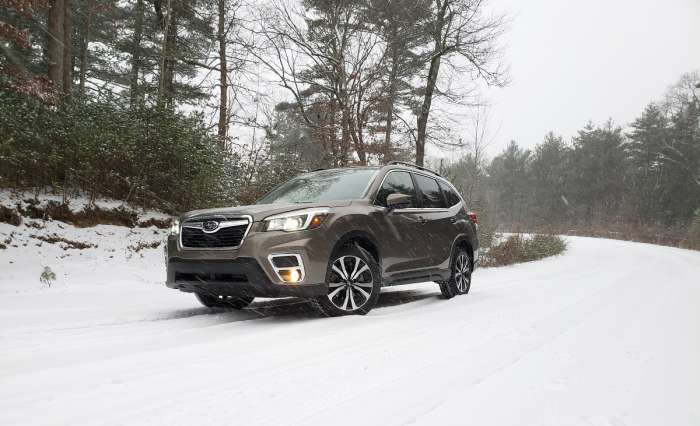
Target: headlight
<point x="297" y="220"/>
<point x="175" y="227"/>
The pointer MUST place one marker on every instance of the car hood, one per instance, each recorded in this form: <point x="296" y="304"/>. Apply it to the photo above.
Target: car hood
<point x="260" y="211"/>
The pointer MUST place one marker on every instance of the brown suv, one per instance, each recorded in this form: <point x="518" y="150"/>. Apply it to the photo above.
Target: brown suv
<point x="333" y="236"/>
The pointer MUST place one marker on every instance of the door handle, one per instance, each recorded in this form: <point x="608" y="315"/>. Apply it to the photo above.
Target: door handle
<point x="422" y="220"/>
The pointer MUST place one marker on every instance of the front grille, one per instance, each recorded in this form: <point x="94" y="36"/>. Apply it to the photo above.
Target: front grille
<point x="231" y="236"/>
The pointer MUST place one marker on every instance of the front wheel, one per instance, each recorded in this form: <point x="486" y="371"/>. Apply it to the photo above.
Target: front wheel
<point x="460" y="275"/>
<point x="231" y="302"/>
<point x="354" y="283"/>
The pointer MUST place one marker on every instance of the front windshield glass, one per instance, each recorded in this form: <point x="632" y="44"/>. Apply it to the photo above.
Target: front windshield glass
<point x="323" y="185"/>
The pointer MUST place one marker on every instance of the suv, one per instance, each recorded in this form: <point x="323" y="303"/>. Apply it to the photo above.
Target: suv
<point x="333" y="236"/>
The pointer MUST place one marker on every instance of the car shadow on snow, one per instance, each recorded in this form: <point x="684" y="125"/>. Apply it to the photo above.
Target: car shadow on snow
<point x="300" y="308"/>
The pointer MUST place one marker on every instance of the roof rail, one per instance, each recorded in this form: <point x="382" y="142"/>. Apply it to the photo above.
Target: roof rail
<point x="415" y="166"/>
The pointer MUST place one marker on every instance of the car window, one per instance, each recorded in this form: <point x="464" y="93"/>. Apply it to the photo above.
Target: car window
<point x="396" y="183"/>
<point x="323" y="185"/>
<point x="430" y="192"/>
<point x="450" y="194"/>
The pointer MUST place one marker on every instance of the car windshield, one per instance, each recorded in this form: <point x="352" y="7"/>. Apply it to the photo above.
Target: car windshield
<point x="323" y="185"/>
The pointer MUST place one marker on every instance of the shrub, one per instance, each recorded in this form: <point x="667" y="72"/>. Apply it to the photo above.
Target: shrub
<point x="11" y="216"/>
<point x="147" y="156"/>
<point x="518" y="249"/>
<point x="694" y="232"/>
<point x="47" y="276"/>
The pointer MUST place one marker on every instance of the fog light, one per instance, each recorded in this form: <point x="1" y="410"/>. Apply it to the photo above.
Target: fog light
<point x="288" y="267"/>
<point x="290" y="275"/>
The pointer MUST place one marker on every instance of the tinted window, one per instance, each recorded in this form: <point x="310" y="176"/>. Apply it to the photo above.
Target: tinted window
<point x="430" y="192"/>
<point x="396" y="183"/>
<point x="324" y="185"/>
<point x="450" y="194"/>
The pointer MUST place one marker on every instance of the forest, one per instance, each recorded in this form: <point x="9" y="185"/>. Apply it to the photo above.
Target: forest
<point x="176" y="104"/>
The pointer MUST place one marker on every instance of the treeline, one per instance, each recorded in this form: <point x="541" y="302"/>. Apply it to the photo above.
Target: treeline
<point x="181" y="104"/>
<point x="101" y="95"/>
<point x="642" y="180"/>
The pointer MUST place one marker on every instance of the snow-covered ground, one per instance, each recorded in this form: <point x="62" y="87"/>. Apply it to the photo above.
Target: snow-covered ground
<point x="606" y="334"/>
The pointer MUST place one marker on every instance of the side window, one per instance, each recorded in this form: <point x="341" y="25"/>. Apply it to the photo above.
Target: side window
<point x="450" y="194"/>
<point x="396" y="182"/>
<point x="430" y="192"/>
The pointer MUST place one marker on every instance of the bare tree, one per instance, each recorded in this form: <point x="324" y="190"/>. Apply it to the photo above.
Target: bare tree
<point x="464" y="39"/>
<point x="324" y="55"/>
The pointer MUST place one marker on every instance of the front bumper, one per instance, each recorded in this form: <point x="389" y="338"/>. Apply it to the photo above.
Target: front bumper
<point x="242" y="276"/>
<point x="247" y="270"/>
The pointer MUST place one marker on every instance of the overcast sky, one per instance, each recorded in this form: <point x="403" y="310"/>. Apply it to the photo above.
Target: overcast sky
<point x="574" y="61"/>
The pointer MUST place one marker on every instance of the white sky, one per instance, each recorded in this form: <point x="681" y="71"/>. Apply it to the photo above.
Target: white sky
<point x="589" y="60"/>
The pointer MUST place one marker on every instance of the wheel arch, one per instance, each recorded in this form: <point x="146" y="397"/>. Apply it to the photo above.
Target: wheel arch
<point x="364" y="239"/>
<point x="463" y="242"/>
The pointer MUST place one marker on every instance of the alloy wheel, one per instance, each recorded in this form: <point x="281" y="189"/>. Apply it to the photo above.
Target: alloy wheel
<point x="463" y="275"/>
<point x="350" y="284"/>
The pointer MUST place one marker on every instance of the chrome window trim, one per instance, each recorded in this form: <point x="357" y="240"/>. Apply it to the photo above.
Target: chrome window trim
<point x="287" y="268"/>
<point x="416" y="209"/>
<point x="379" y="188"/>
<point x="193" y="220"/>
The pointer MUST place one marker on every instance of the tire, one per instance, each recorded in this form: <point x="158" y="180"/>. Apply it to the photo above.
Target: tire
<point x="226" y="302"/>
<point x="460" y="275"/>
<point x="354" y="283"/>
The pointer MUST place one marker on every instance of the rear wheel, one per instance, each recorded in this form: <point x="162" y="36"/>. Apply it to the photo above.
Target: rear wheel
<point x="460" y="275"/>
<point x="354" y="283"/>
<point x="232" y="302"/>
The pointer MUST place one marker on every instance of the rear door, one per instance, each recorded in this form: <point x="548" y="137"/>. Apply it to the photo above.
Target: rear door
<point x="438" y="229"/>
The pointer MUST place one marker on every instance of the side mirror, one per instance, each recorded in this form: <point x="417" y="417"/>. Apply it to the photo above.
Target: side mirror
<point x="398" y="201"/>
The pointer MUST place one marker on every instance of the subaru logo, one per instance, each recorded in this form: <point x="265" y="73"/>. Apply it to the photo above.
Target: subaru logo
<point x="210" y="225"/>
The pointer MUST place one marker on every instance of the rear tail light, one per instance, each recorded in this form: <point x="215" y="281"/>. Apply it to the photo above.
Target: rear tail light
<point x="472" y="218"/>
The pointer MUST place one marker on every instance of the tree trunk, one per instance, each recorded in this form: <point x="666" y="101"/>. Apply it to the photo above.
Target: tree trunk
<point x="223" y="76"/>
<point x="391" y="96"/>
<point x="425" y="109"/>
<point x="136" y="54"/>
<point x="359" y="146"/>
<point x="55" y="44"/>
<point x="165" y="57"/>
<point x="67" y="47"/>
<point x="84" y="44"/>
<point x="433" y="72"/>
<point x="170" y="62"/>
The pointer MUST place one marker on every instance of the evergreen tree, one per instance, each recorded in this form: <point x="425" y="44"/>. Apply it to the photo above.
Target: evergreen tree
<point x="508" y="176"/>
<point x="598" y="165"/>
<point x="648" y="168"/>
<point x="549" y="171"/>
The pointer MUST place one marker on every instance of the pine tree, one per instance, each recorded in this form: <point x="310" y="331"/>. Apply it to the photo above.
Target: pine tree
<point x="648" y="168"/>
<point x="549" y="173"/>
<point x="598" y="170"/>
<point x="508" y="180"/>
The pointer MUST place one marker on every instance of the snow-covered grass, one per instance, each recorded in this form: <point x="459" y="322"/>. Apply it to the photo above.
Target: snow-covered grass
<point x="76" y="203"/>
<point x="606" y="334"/>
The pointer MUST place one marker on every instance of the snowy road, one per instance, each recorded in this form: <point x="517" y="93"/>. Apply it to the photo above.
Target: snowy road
<point x="607" y="334"/>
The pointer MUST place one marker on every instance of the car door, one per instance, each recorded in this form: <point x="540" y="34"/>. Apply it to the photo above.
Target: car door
<point x="400" y="229"/>
<point x="438" y="228"/>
